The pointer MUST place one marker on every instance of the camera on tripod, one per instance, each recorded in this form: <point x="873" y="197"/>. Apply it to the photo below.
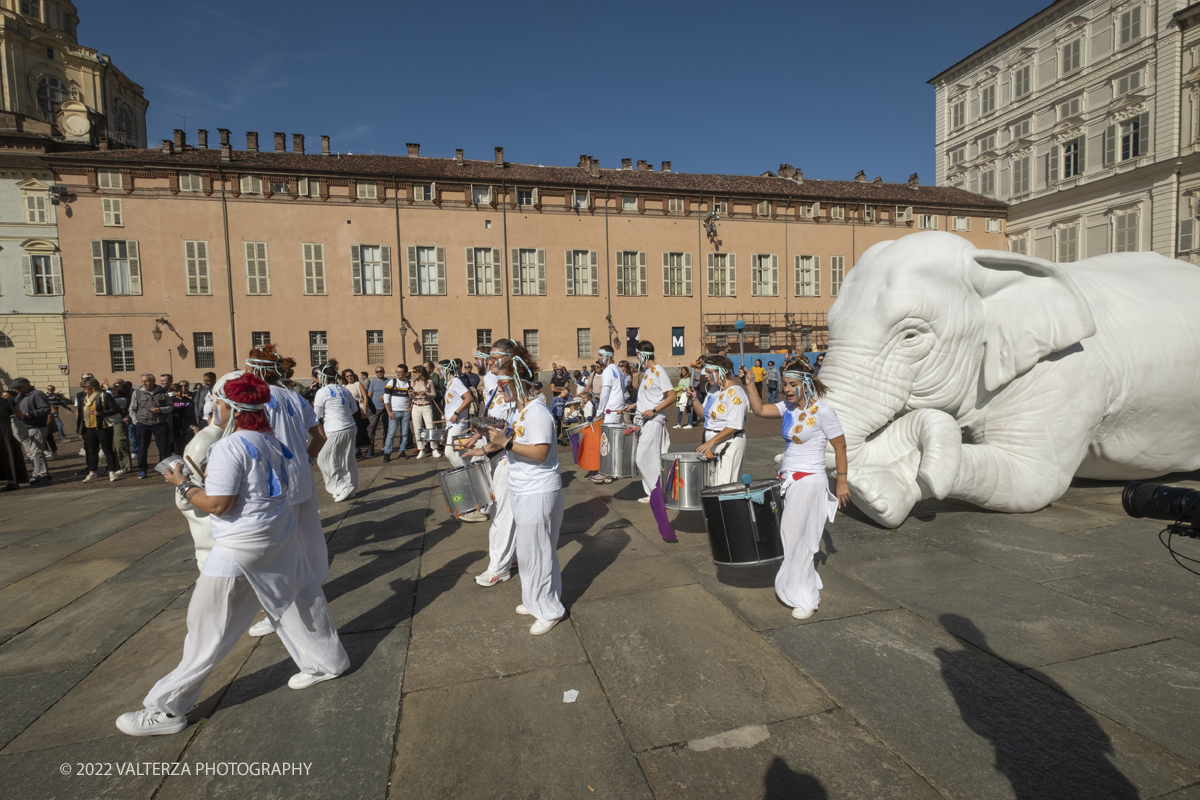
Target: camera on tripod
<point x="1179" y="505"/>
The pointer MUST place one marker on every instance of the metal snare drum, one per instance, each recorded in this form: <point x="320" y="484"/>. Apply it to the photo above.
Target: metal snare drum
<point x="684" y="477"/>
<point x="432" y="436"/>
<point x="744" y="522"/>
<point x="467" y="488"/>
<point x="459" y="442"/>
<point x="617" y="451"/>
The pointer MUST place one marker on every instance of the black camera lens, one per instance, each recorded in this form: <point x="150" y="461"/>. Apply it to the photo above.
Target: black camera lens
<point x="1155" y="501"/>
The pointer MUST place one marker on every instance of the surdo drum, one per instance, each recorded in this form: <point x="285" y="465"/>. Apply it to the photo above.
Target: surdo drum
<point x="684" y="477"/>
<point x="617" y="451"/>
<point x="743" y="522"/>
<point x="467" y="488"/>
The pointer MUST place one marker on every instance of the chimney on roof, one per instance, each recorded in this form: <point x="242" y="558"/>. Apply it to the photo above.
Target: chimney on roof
<point x="861" y="177"/>
<point x="414" y="150"/>
<point x="280" y="142"/>
<point x="626" y="163"/>
<point x="202" y="139"/>
<point x="786" y="171"/>
<point x="324" y="145"/>
<point x="644" y="166"/>
<point x="499" y="157"/>
<point x="593" y="167"/>
<point x="180" y="139"/>
<point x="666" y="166"/>
<point x="583" y="162"/>
<point x="458" y="157"/>
<point x="252" y="141"/>
<point x="912" y="181"/>
<point x="168" y="147"/>
<point x="226" y="148"/>
<point x="298" y="143"/>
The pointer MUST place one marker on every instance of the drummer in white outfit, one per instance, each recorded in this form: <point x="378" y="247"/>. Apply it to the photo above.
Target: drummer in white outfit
<point x="808" y="425"/>
<point x="335" y="408"/>
<point x="258" y="559"/>
<point x="456" y="401"/>
<point x="294" y="423"/>
<point x="537" y="496"/>
<point x="612" y="397"/>
<point x="655" y="394"/>
<point x="724" y="413"/>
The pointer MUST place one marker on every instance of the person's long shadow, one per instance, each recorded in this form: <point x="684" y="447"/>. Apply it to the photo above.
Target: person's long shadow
<point x="597" y="553"/>
<point x="783" y="783"/>
<point x="1047" y="747"/>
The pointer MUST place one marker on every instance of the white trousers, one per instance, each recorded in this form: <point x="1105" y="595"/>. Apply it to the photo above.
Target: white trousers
<point x="537" y="519"/>
<point x="612" y="417"/>
<point x="502" y="542"/>
<point x="338" y="467"/>
<point x="805" y="509"/>
<point x="454" y="458"/>
<point x="653" y="442"/>
<point x="728" y="468"/>
<point x="220" y="611"/>
<point x="422" y="418"/>
<point x="312" y="536"/>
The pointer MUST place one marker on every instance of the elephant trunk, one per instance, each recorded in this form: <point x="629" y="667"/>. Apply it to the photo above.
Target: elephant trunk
<point x="863" y="400"/>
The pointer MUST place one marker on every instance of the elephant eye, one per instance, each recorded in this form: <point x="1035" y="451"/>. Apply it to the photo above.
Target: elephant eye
<point x="910" y="336"/>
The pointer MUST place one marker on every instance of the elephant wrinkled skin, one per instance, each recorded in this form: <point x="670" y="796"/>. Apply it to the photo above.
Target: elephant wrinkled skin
<point x="1004" y="376"/>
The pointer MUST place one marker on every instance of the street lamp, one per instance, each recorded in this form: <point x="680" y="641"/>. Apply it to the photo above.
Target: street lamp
<point x="157" y="332"/>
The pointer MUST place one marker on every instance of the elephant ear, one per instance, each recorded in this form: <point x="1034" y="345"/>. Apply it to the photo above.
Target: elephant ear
<point x="1032" y="308"/>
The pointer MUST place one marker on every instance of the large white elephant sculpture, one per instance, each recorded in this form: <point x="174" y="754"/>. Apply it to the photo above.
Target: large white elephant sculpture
<point x="1005" y="376"/>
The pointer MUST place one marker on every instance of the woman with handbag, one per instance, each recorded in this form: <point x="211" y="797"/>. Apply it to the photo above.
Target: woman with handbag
<point x="358" y="391"/>
<point x="99" y="409"/>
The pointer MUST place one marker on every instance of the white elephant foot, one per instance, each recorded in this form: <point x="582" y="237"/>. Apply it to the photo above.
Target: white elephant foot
<point x="886" y="493"/>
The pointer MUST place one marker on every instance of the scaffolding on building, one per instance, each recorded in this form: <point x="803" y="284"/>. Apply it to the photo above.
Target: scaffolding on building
<point x="768" y="332"/>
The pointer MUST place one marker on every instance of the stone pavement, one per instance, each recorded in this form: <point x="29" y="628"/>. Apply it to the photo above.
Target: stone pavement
<point x="965" y="655"/>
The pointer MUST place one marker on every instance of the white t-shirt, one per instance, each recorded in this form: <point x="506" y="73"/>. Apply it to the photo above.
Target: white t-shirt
<point x="400" y="403"/>
<point x="806" y="431"/>
<point x="335" y="406"/>
<point x="614" y="380"/>
<point x="653" y="389"/>
<point x="725" y="409"/>
<point x="250" y="466"/>
<point x="498" y="404"/>
<point x="291" y="417"/>
<point x="455" y="391"/>
<point x="490" y="380"/>
<point x="534" y="424"/>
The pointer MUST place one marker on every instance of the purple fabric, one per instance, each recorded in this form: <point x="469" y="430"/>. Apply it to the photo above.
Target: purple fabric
<point x="659" y="507"/>
<point x="575" y="447"/>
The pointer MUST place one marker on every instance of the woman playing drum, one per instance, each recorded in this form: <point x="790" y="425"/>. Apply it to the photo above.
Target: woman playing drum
<point x="335" y="407"/>
<point x="808" y="424"/>
<point x="724" y="415"/>
<point x="456" y="401"/>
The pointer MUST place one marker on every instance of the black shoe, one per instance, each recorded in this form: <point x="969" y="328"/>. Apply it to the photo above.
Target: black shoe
<point x="37" y="481"/>
<point x="83" y="471"/>
<point x="387" y="457"/>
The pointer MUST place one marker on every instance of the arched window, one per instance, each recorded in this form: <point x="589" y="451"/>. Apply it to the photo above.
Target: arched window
<point x="124" y="120"/>
<point x="51" y="93"/>
<point x="5" y="341"/>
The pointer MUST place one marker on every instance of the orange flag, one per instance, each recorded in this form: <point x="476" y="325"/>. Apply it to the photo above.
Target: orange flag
<point x="589" y="447"/>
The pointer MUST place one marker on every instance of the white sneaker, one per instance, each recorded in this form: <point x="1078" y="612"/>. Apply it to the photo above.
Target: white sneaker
<point x="422" y="454"/>
<point x="261" y="628"/>
<point x="542" y="626"/>
<point x="685" y="427"/>
<point x="523" y="611"/>
<point x="303" y="680"/>
<point x="436" y="454"/>
<point x="676" y="427"/>
<point x="473" y="516"/>
<point x="120" y="473"/>
<point x="83" y="452"/>
<point x="803" y="613"/>
<point x="644" y="500"/>
<point x="150" y="723"/>
<point x="91" y="476"/>
<point x="489" y="578"/>
<point x="48" y="453"/>
<point x="112" y="476"/>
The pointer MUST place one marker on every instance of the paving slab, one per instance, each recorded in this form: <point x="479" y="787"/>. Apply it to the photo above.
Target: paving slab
<point x="1159" y="595"/>
<point x="901" y="575"/>
<point x="372" y="587"/>
<point x="614" y="561"/>
<point x="26" y="697"/>
<point x="841" y="550"/>
<point x="453" y="548"/>
<point x="343" y="728"/>
<point x="463" y="632"/>
<point x="824" y="755"/>
<point x="529" y="743"/>
<point x="1140" y="537"/>
<point x="22" y="560"/>
<point x="175" y="561"/>
<point x="1062" y="516"/>
<point x="137" y="540"/>
<point x="678" y="665"/>
<point x="588" y="509"/>
<point x="13" y="536"/>
<point x="120" y="683"/>
<point x="1153" y="690"/>
<point x="967" y="722"/>
<point x="47" y="590"/>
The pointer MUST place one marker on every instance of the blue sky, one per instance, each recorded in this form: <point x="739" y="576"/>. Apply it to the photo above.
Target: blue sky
<point x="712" y="87"/>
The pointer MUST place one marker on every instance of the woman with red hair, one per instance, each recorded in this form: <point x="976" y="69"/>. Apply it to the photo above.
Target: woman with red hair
<point x="257" y="559"/>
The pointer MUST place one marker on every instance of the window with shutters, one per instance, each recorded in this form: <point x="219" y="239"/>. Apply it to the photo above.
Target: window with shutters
<point x="530" y="275"/>
<point x="483" y="339"/>
<point x="1068" y="244"/>
<point x="1071" y="162"/>
<point x="987" y="143"/>
<point x="313" y="255"/>
<point x="722" y="275"/>
<point x="1131" y="138"/>
<point x="32" y="8"/>
<point x="837" y="273"/>
<point x="364" y="190"/>
<point x="1129" y="83"/>
<point x="1022" y="83"/>
<point x="987" y="99"/>
<point x="677" y="274"/>
<point x="195" y="263"/>
<point x="956" y="156"/>
<point x="202" y="348"/>
<point x="531" y="342"/>
<point x="426" y="270"/>
<point x="837" y="212"/>
<point x="429" y="345"/>
<point x="1131" y="25"/>
<point x="763" y="208"/>
<point x="1187" y="235"/>
<point x="1072" y="56"/>
<point x="251" y="184"/>
<point x="423" y="192"/>
<point x="764" y="275"/>
<point x="120" y="351"/>
<point x="308" y="187"/>
<point x="374" y="269"/>
<point x="258" y="277"/>
<point x="1021" y="169"/>
<point x="318" y="348"/>
<point x="374" y="347"/>
<point x="481" y="195"/>
<point x="1019" y="244"/>
<point x="1125" y="232"/>
<point x="675" y="205"/>
<point x="116" y="267"/>
<point x="1071" y="108"/>
<point x="631" y="273"/>
<point x="583" y="342"/>
<point x="720" y="206"/>
<point x="189" y="182"/>
<point x="45" y="274"/>
<point x="994" y="226"/>
<point x="279" y="187"/>
<point x="869" y="214"/>
<point x="961" y="224"/>
<point x="36" y="208"/>
<point x="109" y="179"/>
<point x="483" y="270"/>
<point x="114" y="217"/>
<point x="629" y="202"/>
<point x="580" y="200"/>
<point x="987" y="183"/>
<point x="1023" y="129"/>
<point x="259" y="338"/>
<point x="958" y="114"/>
<point x="582" y="272"/>
<point x="808" y="276"/>
<point x="928" y="222"/>
<point x="525" y="197"/>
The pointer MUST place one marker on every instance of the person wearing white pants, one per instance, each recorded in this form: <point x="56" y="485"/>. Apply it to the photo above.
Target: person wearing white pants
<point x="455" y="403"/>
<point x="535" y="487"/>
<point x="655" y="395"/>
<point x="335" y="408"/>
<point x="612" y="397"/>
<point x="257" y="559"/>
<point x="808" y="425"/>
<point x="724" y="413"/>
<point x="498" y="405"/>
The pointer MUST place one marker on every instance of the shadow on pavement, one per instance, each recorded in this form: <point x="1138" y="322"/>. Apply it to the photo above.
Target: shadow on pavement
<point x="595" y="556"/>
<point x="1046" y="750"/>
<point x="784" y="783"/>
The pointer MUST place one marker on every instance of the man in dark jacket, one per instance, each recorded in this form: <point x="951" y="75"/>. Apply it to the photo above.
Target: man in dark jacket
<point x="150" y="409"/>
<point x="199" y="396"/>
<point x="36" y="408"/>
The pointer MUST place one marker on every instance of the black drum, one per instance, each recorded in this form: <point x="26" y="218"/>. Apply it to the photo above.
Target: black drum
<point x="743" y="522"/>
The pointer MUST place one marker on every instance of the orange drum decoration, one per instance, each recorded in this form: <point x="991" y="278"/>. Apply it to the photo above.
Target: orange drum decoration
<point x="588" y="456"/>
